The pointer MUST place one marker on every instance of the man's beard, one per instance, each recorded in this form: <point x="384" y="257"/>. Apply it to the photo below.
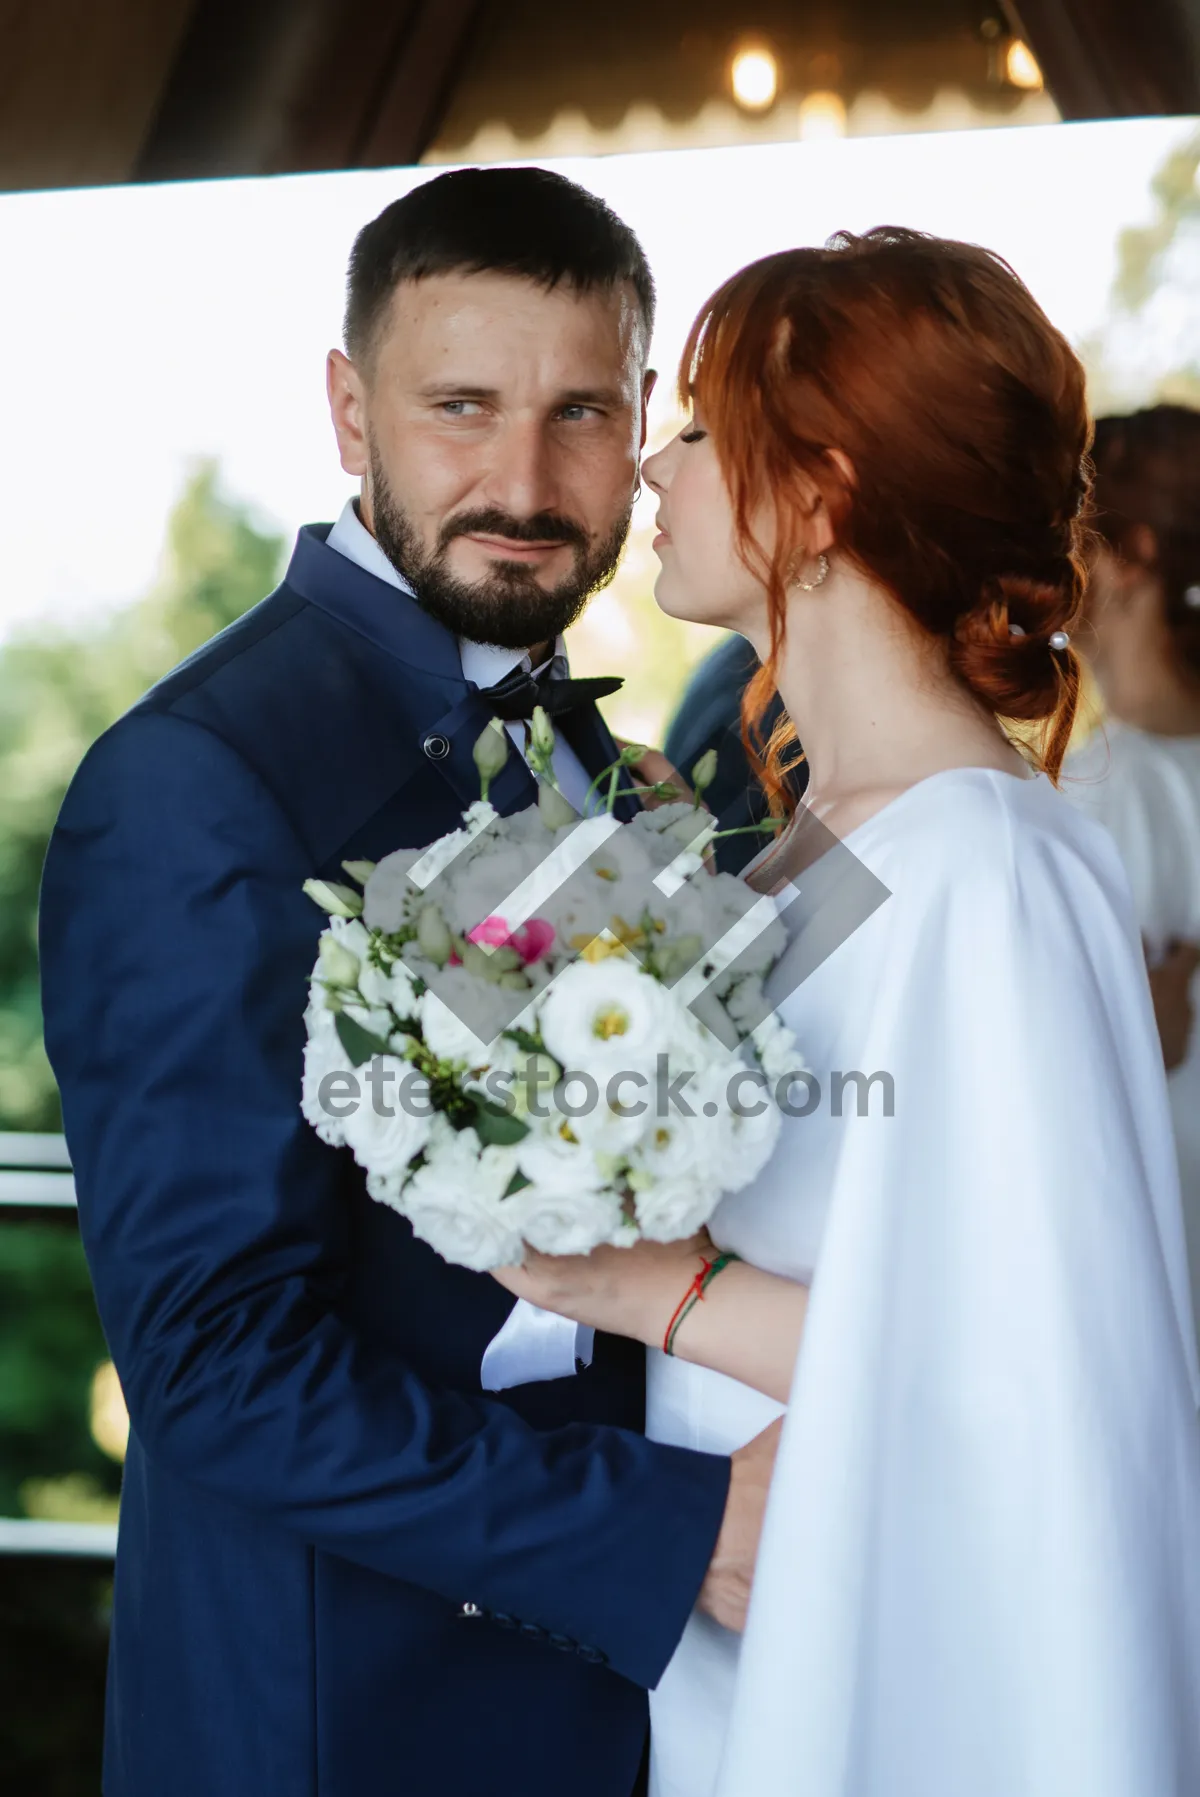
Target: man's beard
<point x="507" y="607"/>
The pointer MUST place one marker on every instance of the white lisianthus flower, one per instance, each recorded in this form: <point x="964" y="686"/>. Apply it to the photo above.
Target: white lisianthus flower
<point x="745" y="1001"/>
<point x="351" y="934"/>
<point x="672" y="1147"/>
<point x="479" y="815"/>
<point x="386" y="1144"/>
<point x="549" y="1159"/>
<point x="323" y="1055"/>
<point x="672" y="1209"/>
<point x="604" y="1017"/>
<point x="604" y="1132"/>
<point x="394" y="988"/>
<point x="445" y="1034"/>
<point x="742" y="1129"/>
<point x="391" y="901"/>
<point x="727" y="903"/>
<point x="562" y="1222"/>
<point x="456" y="1201"/>
<point x="776" y="1048"/>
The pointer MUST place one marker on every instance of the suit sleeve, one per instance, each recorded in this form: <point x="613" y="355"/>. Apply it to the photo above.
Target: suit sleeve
<point x="176" y="943"/>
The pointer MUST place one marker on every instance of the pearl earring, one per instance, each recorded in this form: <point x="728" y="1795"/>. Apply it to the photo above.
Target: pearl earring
<point x="810" y="586"/>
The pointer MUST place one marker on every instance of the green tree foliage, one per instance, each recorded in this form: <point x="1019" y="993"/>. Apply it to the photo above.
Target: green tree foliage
<point x="1148" y="351"/>
<point x="57" y="694"/>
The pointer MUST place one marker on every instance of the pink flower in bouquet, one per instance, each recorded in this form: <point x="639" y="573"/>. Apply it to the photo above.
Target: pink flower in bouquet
<point x="491" y="933"/>
<point x="531" y="941"/>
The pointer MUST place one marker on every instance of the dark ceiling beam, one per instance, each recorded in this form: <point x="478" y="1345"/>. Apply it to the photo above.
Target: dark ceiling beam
<point x="283" y="86"/>
<point x="1106" y="59"/>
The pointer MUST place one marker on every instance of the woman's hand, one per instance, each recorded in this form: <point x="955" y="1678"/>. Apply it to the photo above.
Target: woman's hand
<point x="624" y="1291"/>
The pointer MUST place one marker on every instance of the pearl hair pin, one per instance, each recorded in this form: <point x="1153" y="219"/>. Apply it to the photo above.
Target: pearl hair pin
<point x="1060" y="639"/>
<point x="1191" y="598"/>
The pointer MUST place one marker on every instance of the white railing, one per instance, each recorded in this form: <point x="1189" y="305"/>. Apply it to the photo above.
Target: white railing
<point x="35" y="1174"/>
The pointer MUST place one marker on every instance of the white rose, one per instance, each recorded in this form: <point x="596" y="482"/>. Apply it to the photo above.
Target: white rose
<point x="386" y="1144"/>
<point x="567" y="1222"/>
<point x="323" y="1055"/>
<point x="604" y="1017"/>
<point x="672" y="1209"/>
<point x="456" y="1201"/>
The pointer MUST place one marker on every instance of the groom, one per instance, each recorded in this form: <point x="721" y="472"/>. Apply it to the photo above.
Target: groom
<point x="376" y="1536"/>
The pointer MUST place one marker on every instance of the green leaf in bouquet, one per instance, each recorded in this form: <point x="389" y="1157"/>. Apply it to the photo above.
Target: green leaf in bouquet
<point x="523" y="1039"/>
<point x="496" y="1127"/>
<point x="517" y="1183"/>
<point x="359" y="1044"/>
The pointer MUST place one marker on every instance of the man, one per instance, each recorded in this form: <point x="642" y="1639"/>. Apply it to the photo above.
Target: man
<point x="343" y="1568"/>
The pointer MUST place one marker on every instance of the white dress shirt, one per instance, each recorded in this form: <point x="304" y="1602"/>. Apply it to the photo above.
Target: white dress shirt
<point x="532" y="1343"/>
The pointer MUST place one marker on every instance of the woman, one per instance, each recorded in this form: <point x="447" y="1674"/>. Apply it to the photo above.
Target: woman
<point x="1141" y="775"/>
<point x="978" y="1575"/>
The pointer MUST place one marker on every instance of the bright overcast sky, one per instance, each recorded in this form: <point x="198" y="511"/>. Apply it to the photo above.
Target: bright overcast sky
<point x="144" y="327"/>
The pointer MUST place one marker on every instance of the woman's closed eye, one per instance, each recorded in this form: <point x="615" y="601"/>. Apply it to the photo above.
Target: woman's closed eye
<point x="693" y="434"/>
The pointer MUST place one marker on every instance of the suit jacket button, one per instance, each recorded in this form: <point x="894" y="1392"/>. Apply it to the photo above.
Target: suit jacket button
<point x="564" y="1643"/>
<point x="533" y="1630"/>
<point x="471" y="1612"/>
<point x="437" y="747"/>
<point x="502" y="1620"/>
<point x="593" y="1655"/>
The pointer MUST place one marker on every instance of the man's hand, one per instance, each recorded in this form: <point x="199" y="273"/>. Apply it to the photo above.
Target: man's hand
<point x="1170" y="980"/>
<point x="725" y="1592"/>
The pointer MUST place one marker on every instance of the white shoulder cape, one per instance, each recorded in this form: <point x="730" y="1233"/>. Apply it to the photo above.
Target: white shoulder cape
<point x="980" y="1571"/>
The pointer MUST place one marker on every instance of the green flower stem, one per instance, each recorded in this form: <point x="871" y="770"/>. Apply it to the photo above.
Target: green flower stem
<point x="748" y="829"/>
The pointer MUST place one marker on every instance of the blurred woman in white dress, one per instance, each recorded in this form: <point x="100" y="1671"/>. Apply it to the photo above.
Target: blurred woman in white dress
<point x="965" y="1284"/>
<point x="1140" y="774"/>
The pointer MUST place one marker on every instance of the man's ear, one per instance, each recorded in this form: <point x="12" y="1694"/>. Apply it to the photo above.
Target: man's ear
<point x="347" y="407"/>
<point x="649" y="382"/>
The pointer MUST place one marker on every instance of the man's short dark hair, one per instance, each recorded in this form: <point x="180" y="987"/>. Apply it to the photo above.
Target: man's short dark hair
<point x="514" y="221"/>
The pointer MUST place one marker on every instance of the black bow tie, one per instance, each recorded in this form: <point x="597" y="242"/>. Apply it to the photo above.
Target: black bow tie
<point x="519" y="692"/>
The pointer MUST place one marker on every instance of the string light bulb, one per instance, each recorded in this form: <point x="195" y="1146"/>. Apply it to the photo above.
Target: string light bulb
<point x="1022" y="67"/>
<point x="754" y="77"/>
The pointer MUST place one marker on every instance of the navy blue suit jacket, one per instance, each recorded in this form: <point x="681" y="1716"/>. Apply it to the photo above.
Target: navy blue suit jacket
<point x="316" y="1488"/>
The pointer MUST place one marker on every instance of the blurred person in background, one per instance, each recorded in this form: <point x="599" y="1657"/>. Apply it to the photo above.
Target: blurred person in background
<point x="709" y="716"/>
<point x="1140" y="775"/>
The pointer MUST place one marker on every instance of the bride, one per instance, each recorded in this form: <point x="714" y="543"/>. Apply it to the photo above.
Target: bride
<point x="963" y="1272"/>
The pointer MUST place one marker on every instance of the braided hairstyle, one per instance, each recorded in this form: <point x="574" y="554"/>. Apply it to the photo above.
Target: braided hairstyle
<point x="962" y="412"/>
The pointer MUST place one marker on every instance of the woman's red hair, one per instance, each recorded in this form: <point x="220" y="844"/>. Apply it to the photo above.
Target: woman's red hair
<point x="961" y="411"/>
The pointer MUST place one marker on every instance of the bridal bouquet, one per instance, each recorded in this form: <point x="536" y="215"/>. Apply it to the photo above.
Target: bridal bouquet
<point x="547" y="1029"/>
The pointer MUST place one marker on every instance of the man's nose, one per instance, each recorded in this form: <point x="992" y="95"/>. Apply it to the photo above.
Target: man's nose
<point x="523" y="479"/>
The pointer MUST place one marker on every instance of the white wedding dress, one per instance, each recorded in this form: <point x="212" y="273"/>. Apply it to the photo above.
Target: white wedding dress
<point x="980" y="1569"/>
